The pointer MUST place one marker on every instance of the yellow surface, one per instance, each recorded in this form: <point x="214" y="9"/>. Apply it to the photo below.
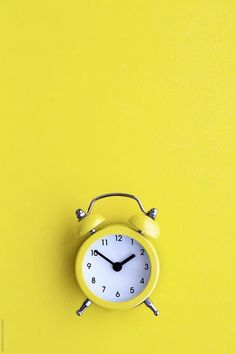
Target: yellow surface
<point x="149" y="249"/>
<point x="130" y="96"/>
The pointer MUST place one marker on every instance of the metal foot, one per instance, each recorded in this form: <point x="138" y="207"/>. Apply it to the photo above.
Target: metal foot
<point x="83" y="307"/>
<point x="150" y="305"/>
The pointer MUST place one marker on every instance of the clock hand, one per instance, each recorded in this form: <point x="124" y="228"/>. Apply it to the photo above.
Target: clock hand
<point x="117" y="266"/>
<point x="101" y="255"/>
<point x="127" y="259"/>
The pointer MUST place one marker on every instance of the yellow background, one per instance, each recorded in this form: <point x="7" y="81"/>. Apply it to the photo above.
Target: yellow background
<point x="131" y="96"/>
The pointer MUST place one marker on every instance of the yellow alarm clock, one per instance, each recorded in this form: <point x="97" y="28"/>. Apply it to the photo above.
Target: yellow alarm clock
<point x="117" y="266"/>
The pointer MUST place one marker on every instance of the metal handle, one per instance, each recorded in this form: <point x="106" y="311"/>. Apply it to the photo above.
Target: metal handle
<point x="107" y="195"/>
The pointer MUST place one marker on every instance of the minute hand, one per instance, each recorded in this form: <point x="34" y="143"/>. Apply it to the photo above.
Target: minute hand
<point x="127" y="259"/>
<point x="104" y="257"/>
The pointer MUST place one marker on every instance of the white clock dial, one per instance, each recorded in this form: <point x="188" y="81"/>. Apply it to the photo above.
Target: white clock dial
<point x="116" y="268"/>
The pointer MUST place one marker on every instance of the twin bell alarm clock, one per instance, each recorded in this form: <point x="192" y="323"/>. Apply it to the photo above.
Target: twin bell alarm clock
<point x="117" y="266"/>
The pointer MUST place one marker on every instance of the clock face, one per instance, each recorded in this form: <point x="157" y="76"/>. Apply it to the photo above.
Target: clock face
<point x="116" y="268"/>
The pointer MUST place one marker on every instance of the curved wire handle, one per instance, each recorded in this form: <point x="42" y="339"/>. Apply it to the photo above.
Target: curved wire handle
<point x="107" y="195"/>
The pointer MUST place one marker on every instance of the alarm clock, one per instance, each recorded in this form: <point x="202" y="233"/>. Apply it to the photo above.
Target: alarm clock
<point x="117" y="266"/>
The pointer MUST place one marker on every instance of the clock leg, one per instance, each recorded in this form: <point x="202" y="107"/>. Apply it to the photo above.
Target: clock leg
<point x="150" y="305"/>
<point x="83" y="307"/>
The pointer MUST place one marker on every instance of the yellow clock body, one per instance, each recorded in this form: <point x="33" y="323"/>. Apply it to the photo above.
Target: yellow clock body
<point x="117" y="266"/>
<point x="114" y="235"/>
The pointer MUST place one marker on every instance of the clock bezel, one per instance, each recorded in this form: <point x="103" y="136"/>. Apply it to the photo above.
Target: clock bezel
<point x="154" y="271"/>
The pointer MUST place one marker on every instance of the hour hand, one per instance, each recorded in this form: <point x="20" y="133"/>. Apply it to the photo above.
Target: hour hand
<point x="96" y="252"/>
<point x="127" y="259"/>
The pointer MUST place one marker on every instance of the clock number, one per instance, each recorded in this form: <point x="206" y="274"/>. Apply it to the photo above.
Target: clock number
<point x="119" y="238"/>
<point x="142" y="252"/>
<point x="117" y="294"/>
<point x="131" y="290"/>
<point x="142" y="281"/>
<point x="93" y="280"/>
<point x="132" y="241"/>
<point x="103" y="288"/>
<point x="146" y="266"/>
<point x="104" y="242"/>
<point x="93" y="253"/>
<point x="89" y="265"/>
